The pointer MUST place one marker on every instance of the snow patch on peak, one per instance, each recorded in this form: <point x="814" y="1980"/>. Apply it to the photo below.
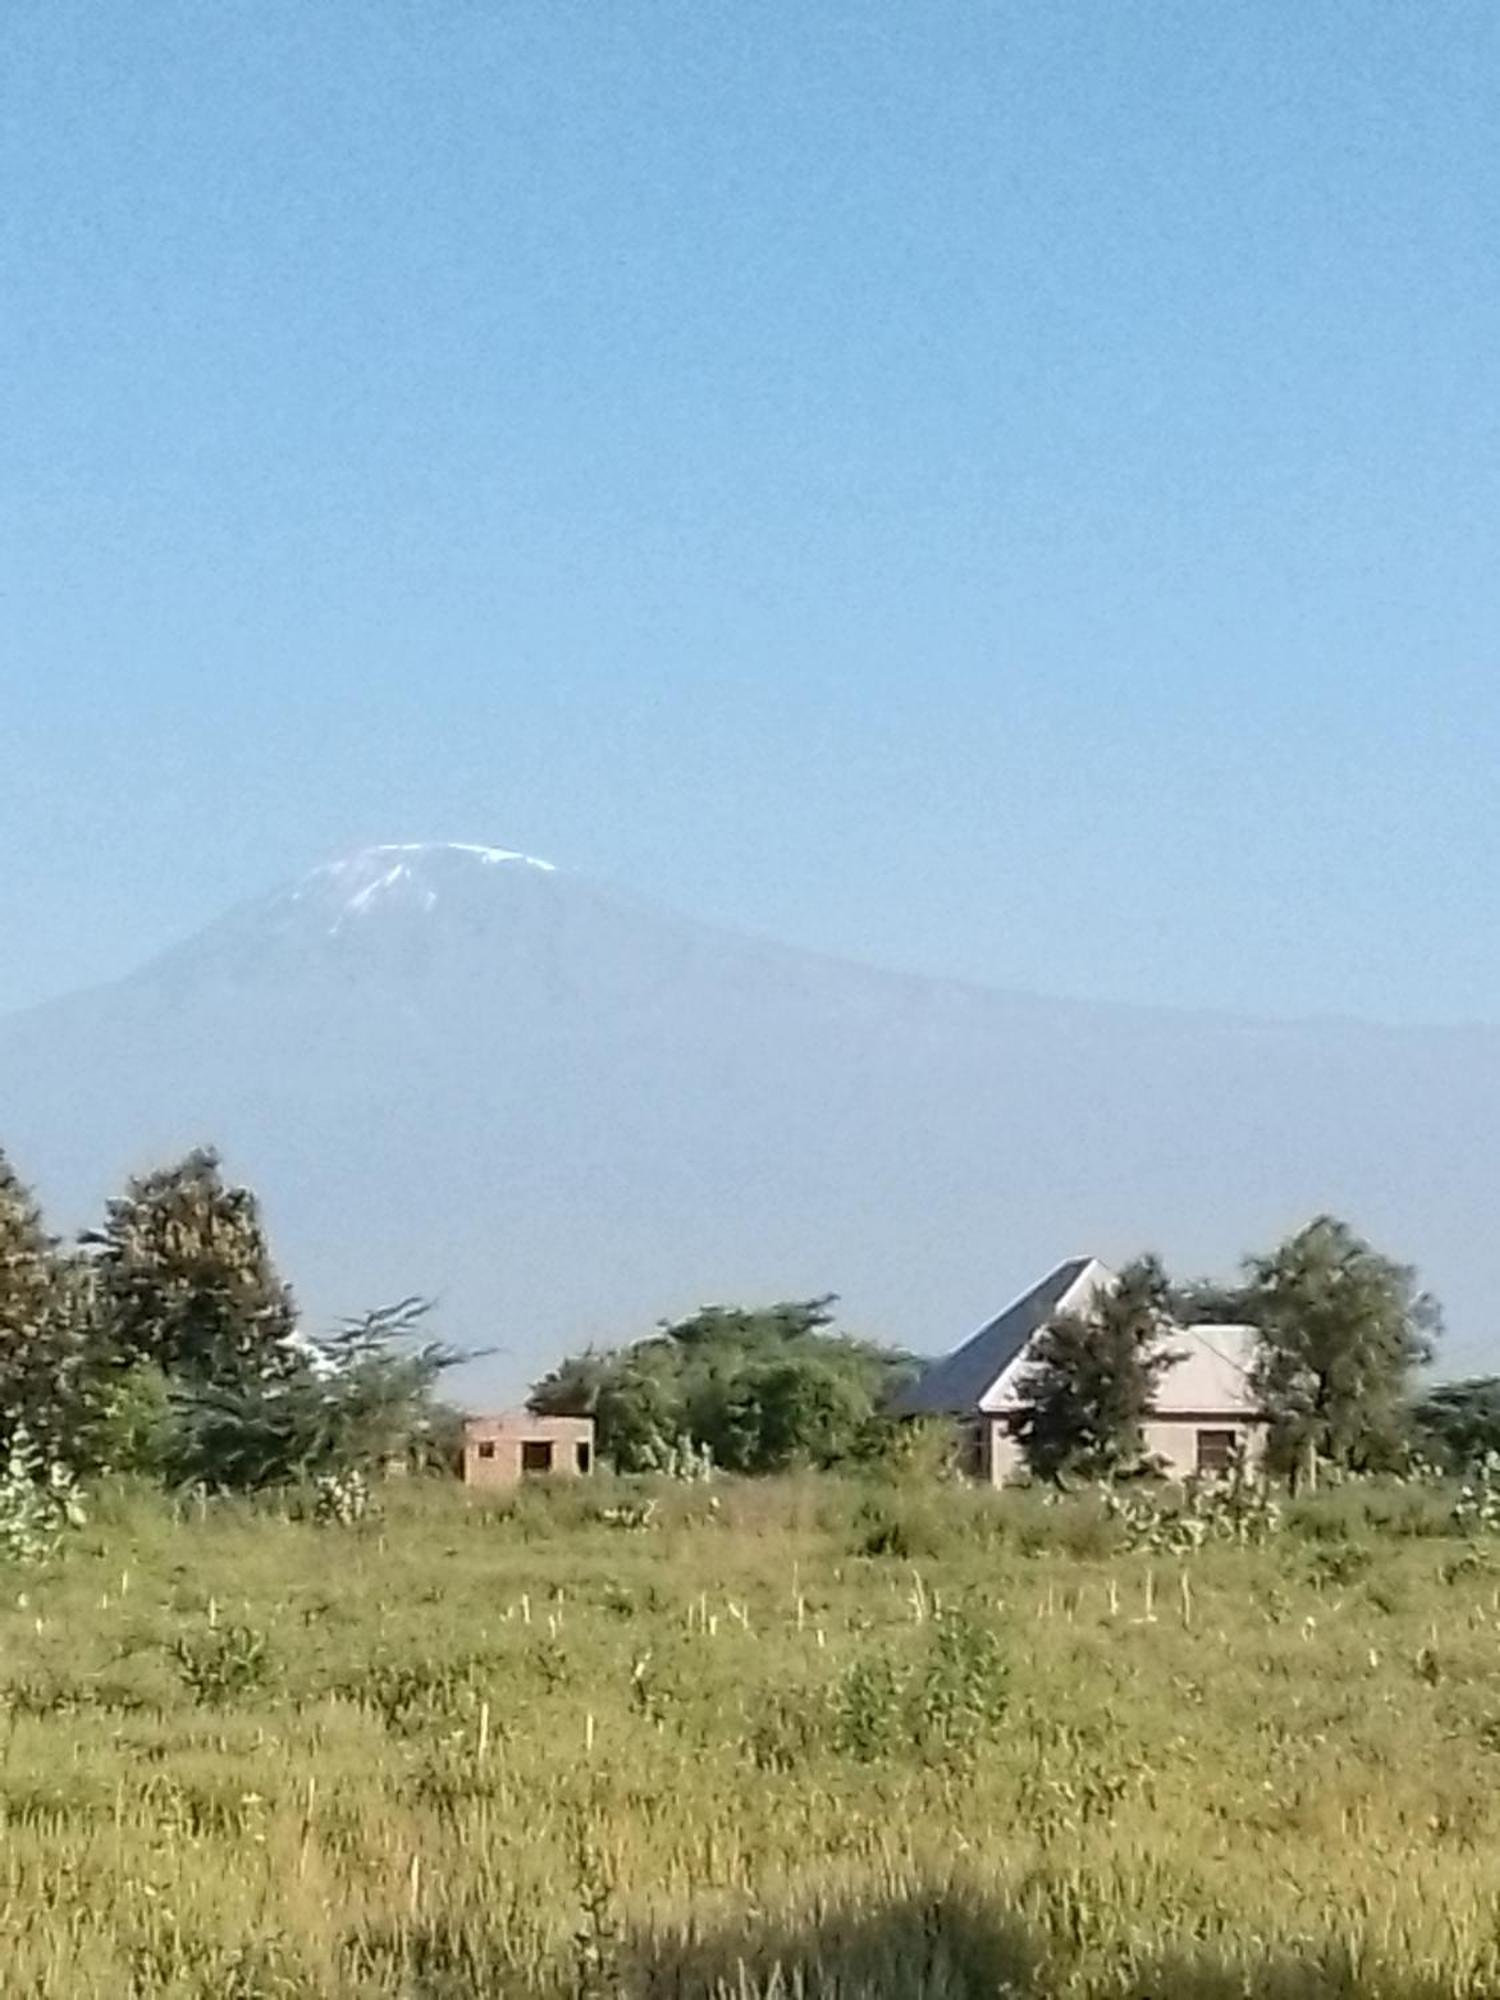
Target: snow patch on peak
<point x="402" y="853"/>
<point x="408" y="874"/>
<point x="488" y="855"/>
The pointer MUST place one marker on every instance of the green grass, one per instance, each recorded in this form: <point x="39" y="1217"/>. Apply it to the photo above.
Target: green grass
<point x="479" y="1748"/>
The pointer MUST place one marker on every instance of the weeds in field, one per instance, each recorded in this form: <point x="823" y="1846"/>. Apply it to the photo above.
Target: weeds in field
<point x="501" y="1748"/>
<point x="223" y="1663"/>
<point x="1477" y="1509"/>
<point x="341" y="1498"/>
<point x="39" y="1504"/>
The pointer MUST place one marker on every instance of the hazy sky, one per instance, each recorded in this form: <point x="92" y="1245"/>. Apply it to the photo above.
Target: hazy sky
<point x="1007" y="489"/>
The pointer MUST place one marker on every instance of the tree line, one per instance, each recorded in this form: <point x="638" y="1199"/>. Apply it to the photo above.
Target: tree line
<point x="1340" y="1330"/>
<point x="165" y="1342"/>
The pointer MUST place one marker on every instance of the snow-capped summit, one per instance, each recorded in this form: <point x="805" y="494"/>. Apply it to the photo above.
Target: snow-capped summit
<point x="404" y="874"/>
<point x="389" y="907"/>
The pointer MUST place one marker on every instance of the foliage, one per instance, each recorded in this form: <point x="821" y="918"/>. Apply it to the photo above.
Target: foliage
<point x="1239" y="1509"/>
<point x="920" y="1451"/>
<point x="1341" y="1330"/>
<point x="759" y="1389"/>
<point x="354" y="1404"/>
<point x="679" y="1459"/>
<point x="1477" y="1509"/>
<point x="39" y="1503"/>
<point x="1091" y="1380"/>
<point x="137" y="1423"/>
<point x="222" y="1664"/>
<point x="187" y="1284"/>
<point x="943" y="1703"/>
<point x="1207" y="1302"/>
<point x="49" y="1356"/>
<point x="1459" y="1422"/>
<point x="341" y="1498"/>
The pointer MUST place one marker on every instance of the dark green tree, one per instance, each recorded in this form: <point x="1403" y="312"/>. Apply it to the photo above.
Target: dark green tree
<point x="761" y="1388"/>
<point x="801" y="1410"/>
<point x="1207" y="1302"/>
<point x="186" y="1280"/>
<point x="1342" y="1330"/>
<point x="1457" y="1424"/>
<point x="359" y="1401"/>
<point x="49" y="1352"/>
<point x="1092" y="1377"/>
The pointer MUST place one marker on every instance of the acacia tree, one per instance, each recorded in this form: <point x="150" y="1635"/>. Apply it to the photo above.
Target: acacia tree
<point x="186" y="1280"/>
<point x="359" y="1401"/>
<point x="1092" y="1377"/>
<point x="760" y="1388"/>
<point x="1340" y="1331"/>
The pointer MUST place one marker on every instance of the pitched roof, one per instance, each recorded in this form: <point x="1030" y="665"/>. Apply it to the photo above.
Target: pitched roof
<point x="964" y="1380"/>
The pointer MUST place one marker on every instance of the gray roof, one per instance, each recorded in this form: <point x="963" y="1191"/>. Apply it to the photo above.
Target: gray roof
<point x="959" y="1384"/>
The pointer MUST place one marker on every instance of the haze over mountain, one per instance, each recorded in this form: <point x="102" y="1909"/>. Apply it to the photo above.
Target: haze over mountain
<point x="454" y="1069"/>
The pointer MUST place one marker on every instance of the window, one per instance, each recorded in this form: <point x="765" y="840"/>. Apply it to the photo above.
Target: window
<point x="487" y="1450"/>
<point x="1217" y="1451"/>
<point x="583" y="1457"/>
<point x="536" y="1455"/>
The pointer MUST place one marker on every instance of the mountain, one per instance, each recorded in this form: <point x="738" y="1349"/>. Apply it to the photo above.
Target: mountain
<point x="457" y="1070"/>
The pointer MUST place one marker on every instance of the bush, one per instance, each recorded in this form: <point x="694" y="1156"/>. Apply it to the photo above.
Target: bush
<point x="39" y="1503"/>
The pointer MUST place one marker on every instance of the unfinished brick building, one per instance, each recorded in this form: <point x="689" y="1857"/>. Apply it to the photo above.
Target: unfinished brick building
<point x="500" y="1450"/>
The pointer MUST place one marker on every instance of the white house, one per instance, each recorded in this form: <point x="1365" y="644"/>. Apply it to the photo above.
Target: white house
<point x="1204" y="1413"/>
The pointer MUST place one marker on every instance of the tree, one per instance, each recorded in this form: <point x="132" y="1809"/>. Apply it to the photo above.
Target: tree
<point x="1341" y="1331"/>
<point x="760" y="1388"/>
<point x="354" y="1403"/>
<point x="186" y="1280"/>
<point x="1458" y="1423"/>
<point x="47" y="1354"/>
<point x="1092" y="1378"/>
<point x="803" y="1410"/>
<point x="1207" y="1302"/>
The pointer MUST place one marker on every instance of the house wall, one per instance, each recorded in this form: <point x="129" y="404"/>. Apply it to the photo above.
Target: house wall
<point x="1173" y="1439"/>
<point x="1006" y="1460"/>
<point x="1176" y="1439"/>
<point x="497" y="1449"/>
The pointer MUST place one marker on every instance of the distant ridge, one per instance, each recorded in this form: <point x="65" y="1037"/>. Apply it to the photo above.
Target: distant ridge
<point x="451" y="1067"/>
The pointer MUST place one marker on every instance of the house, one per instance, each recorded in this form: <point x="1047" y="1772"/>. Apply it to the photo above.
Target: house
<point x="1205" y="1412"/>
<point x="500" y="1450"/>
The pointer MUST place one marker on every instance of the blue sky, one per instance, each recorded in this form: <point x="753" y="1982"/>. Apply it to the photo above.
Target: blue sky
<point x="1005" y="489"/>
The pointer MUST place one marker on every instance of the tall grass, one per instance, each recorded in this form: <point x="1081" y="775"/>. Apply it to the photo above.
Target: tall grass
<point x="810" y="1738"/>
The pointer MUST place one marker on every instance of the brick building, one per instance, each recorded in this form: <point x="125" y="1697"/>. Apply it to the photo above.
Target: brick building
<point x="500" y="1450"/>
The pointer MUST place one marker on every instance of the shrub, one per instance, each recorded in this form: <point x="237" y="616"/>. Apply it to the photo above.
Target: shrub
<point x="39" y="1503"/>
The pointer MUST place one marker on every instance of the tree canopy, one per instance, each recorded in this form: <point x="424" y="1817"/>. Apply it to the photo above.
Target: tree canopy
<point x="1341" y="1331"/>
<point x="48" y="1346"/>
<point x="760" y="1388"/>
<point x="356" y="1402"/>
<point x="186" y="1279"/>
<point x="1091" y="1380"/>
<point x="167" y="1344"/>
<point x="1458" y="1423"/>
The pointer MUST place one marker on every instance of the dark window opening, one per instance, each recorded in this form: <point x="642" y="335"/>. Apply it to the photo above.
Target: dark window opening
<point x="1217" y="1451"/>
<point x="583" y="1457"/>
<point x="486" y="1451"/>
<point x="536" y="1455"/>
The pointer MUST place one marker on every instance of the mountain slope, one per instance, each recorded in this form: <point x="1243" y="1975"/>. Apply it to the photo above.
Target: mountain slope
<point x="456" y="1070"/>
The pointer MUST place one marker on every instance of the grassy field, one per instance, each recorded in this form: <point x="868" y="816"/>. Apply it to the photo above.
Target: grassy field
<point x="807" y="1738"/>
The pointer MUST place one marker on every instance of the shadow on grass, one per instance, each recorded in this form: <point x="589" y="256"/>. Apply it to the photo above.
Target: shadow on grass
<point x="944" y="1946"/>
<point x="956" y="1946"/>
